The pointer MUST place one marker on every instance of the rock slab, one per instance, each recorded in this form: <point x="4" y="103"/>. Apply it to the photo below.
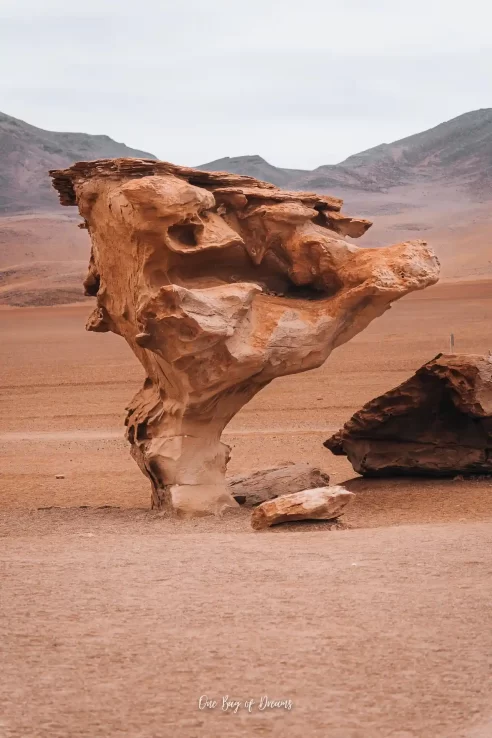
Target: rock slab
<point x="284" y="479"/>
<point x="322" y="503"/>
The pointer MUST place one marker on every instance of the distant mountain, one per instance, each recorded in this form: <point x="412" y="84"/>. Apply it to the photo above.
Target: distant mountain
<point x="257" y="167"/>
<point x="330" y="175"/>
<point x="27" y="153"/>
<point x="459" y="150"/>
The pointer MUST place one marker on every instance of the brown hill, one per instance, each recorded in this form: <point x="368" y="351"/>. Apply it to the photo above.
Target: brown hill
<point x="256" y="166"/>
<point x="27" y="153"/>
<point x="459" y="150"/>
<point x="43" y="259"/>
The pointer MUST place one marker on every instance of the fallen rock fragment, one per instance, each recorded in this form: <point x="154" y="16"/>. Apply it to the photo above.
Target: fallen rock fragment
<point x="437" y="423"/>
<point x="284" y="479"/>
<point x="322" y="503"/>
<point x="59" y="476"/>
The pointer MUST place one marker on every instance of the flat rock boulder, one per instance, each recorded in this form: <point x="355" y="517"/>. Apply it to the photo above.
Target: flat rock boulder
<point x="256" y="487"/>
<point x="437" y="423"/>
<point x="322" y="503"/>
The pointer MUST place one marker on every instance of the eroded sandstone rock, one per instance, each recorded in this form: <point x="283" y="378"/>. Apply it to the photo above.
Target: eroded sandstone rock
<point x="220" y="283"/>
<point x="321" y="503"/>
<point x="284" y="479"/>
<point x="437" y="423"/>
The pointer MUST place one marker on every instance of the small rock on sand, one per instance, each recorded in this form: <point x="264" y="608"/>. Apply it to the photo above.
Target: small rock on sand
<point x="322" y="503"/>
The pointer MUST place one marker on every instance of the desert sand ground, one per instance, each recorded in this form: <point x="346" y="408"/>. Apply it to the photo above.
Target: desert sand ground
<point x="115" y="619"/>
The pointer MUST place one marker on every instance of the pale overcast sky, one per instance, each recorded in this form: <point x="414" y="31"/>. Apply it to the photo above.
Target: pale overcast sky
<point x="300" y="83"/>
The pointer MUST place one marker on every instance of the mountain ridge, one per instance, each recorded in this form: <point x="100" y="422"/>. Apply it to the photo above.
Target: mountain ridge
<point x="28" y="152"/>
<point x="460" y="148"/>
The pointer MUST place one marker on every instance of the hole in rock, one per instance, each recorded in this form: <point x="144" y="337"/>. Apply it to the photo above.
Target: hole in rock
<point x="307" y="292"/>
<point x="234" y="265"/>
<point x="141" y="431"/>
<point x="184" y="233"/>
<point x="92" y="284"/>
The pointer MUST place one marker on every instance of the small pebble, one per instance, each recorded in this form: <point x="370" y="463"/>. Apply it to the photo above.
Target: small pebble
<point x="59" y="476"/>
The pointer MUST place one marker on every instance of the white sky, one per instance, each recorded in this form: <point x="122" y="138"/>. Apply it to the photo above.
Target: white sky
<point x="300" y="83"/>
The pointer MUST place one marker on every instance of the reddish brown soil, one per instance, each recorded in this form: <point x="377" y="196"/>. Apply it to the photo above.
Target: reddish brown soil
<point x="114" y="621"/>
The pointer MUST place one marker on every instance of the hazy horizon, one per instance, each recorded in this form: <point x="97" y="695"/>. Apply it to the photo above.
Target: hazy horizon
<point x="197" y="82"/>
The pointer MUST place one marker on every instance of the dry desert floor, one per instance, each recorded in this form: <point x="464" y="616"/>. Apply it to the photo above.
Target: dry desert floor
<point x="115" y="620"/>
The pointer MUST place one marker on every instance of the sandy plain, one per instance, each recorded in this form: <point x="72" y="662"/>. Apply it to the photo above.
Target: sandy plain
<point x="115" y="619"/>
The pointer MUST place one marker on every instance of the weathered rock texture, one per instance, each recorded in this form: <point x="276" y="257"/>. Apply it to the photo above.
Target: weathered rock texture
<point x="438" y="423"/>
<point x="220" y="283"/>
<point x="283" y="479"/>
<point x="322" y="503"/>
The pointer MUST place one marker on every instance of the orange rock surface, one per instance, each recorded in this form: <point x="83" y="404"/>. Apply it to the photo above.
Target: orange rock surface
<point x="220" y="283"/>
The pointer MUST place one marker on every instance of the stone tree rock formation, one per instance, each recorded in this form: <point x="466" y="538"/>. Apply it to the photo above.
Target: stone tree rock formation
<point x="220" y="283"/>
<point x="437" y="423"/>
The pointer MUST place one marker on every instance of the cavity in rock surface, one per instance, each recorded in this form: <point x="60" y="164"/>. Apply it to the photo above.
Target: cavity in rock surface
<point x="220" y="283"/>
